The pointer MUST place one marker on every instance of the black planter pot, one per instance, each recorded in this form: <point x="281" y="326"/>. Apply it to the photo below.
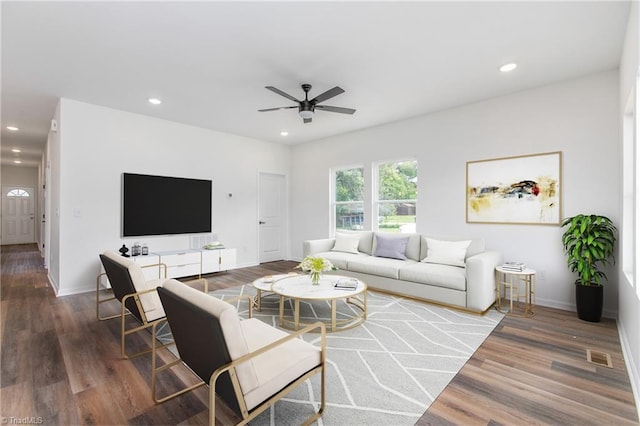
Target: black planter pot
<point x="589" y="301"/>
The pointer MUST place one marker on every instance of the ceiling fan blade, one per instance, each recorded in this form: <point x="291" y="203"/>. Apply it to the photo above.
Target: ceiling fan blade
<point x="275" y="109"/>
<point x="327" y="95"/>
<point x="306" y="120"/>
<point x="336" y="109"/>
<point x="281" y="93"/>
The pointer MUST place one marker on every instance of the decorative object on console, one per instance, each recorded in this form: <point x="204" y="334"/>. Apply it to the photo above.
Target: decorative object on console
<point x="123" y="251"/>
<point x="524" y="189"/>
<point x="213" y="245"/>
<point x="315" y="266"/>
<point x="145" y="249"/>
<point x="136" y="249"/>
<point x="589" y="242"/>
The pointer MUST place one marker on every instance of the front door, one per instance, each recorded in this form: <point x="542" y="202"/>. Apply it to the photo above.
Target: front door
<point x="17" y="215"/>
<point x="272" y="217"/>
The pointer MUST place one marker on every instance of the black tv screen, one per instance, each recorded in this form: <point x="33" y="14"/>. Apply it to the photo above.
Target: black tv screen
<point x="160" y="205"/>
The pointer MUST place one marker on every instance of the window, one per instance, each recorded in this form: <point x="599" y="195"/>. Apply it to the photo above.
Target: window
<point x="396" y="195"/>
<point x="629" y="234"/>
<point x="18" y="193"/>
<point x="348" y="205"/>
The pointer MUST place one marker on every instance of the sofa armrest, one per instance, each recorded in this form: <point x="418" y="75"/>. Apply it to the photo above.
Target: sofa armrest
<point x="481" y="281"/>
<point x="310" y="247"/>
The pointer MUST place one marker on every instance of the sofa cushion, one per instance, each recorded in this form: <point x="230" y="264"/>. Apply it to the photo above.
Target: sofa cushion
<point x="347" y="243"/>
<point x="380" y="266"/>
<point x="340" y="259"/>
<point x="413" y="245"/>
<point x="446" y="252"/>
<point x="477" y="246"/>
<point x="391" y="246"/>
<point x="434" y="274"/>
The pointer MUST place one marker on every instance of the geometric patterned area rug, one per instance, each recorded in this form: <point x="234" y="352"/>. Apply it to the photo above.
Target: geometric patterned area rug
<point x="386" y="371"/>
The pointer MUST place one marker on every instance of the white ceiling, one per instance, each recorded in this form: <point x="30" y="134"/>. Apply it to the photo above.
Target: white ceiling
<point x="209" y="61"/>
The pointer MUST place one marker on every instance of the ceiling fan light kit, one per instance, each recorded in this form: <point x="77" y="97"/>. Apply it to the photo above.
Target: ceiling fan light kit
<point x="306" y="108"/>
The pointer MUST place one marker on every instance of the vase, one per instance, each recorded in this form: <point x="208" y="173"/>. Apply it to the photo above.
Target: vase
<point x="589" y="301"/>
<point x="315" y="277"/>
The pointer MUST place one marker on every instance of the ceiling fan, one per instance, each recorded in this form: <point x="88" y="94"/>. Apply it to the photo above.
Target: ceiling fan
<point x="307" y="107"/>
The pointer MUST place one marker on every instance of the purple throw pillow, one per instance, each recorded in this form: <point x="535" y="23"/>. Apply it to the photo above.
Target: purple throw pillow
<point x="391" y="246"/>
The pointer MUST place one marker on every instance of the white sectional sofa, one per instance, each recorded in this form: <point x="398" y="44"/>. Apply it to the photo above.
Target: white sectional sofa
<point x="446" y="271"/>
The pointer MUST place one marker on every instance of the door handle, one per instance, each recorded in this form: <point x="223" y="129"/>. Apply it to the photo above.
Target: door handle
<point x="261" y="222"/>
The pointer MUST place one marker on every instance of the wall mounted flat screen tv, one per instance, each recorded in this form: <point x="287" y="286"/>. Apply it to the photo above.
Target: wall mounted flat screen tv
<point x="160" y="205"/>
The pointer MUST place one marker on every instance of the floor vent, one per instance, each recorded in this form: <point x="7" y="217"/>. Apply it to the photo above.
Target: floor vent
<point x="599" y="358"/>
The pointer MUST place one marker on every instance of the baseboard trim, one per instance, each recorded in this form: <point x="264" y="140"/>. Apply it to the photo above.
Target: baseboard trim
<point x="53" y="284"/>
<point x="634" y="375"/>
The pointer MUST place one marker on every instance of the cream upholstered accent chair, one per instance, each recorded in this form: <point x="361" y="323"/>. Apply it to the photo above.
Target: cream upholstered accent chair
<point x="137" y="295"/>
<point x="249" y="364"/>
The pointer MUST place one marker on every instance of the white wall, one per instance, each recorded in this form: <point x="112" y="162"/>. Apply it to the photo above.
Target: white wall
<point x="17" y="175"/>
<point x="52" y="208"/>
<point x="578" y="117"/>
<point x="98" y="144"/>
<point x="629" y="303"/>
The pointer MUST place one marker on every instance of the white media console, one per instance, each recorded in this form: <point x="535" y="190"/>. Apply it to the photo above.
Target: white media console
<point x="185" y="263"/>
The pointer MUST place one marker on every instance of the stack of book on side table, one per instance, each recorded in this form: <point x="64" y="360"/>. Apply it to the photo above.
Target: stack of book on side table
<point x="514" y="266"/>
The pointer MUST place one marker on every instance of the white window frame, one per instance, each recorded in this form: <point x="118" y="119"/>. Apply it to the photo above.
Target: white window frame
<point x="376" y="191"/>
<point x="630" y="235"/>
<point x="334" y="203"/>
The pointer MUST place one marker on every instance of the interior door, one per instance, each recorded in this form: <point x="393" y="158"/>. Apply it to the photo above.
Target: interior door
<point x="17" y="215"/>
<point x="272" y="217"/>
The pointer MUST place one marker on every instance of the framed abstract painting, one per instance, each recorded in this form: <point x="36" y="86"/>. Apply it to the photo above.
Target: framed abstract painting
<point x="515" y="190"/>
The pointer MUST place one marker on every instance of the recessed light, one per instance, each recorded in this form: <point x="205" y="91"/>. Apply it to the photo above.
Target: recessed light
<point x="15" y="150"/>
<point x="17" y="161"/>
<point x="12" y="128"/>
<point x="284" y="133"/>
<point x="155" y="101"/>
<point x="508" y="67"/>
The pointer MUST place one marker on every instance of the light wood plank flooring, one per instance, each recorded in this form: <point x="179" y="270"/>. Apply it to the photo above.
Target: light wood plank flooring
<point x="61" y="365"/>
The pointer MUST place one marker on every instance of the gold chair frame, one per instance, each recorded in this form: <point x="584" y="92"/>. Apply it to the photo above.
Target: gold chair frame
<point x="230" y="368"/>
<point x="101" y="301"/>
<point x="124" y="312"/>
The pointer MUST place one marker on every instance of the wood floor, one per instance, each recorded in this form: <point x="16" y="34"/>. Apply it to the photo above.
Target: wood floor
<point x="60" y="366"/>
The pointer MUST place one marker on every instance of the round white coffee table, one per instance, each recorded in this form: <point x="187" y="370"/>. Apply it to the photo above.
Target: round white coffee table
<point x="299" y="288"/>
<point x="263" y="286"/>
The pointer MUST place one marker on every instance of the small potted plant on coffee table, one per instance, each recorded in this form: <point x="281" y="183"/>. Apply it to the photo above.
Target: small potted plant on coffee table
<point x="588" y="243"/>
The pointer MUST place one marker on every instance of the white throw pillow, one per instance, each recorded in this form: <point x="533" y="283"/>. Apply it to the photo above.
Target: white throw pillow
<point x="446" y="252"/>
<point x="346" y="242"/>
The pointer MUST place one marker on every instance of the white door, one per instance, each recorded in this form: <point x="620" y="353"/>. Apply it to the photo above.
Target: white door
<point x="272" y="217"/>
<point x="17" y="215"/>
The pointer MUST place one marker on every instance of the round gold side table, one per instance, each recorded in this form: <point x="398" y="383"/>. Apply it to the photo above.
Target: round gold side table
<point x="521" y="285"/>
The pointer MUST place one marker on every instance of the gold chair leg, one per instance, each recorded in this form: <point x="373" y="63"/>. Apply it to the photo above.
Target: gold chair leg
<point x="101" y="301"/>
<point x="155" y="370"/>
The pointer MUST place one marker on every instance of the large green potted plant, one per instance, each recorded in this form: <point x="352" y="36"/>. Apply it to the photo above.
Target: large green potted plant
<point x="588" y="243"/>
